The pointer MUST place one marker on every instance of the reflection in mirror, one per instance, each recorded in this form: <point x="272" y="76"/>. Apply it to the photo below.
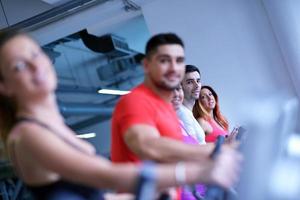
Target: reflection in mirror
<point x="86" y="62"/>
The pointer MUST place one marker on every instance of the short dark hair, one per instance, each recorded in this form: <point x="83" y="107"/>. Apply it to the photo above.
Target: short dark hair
<point x="162" y="39"/>
<point x="192" y="68"/>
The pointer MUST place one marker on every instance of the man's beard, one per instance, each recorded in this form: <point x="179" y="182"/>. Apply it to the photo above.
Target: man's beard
<point x="189" y="97"/>
<point x="164" y="85"/>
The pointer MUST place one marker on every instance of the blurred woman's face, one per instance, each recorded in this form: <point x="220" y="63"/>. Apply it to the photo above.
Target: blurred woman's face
<point x="207" y="99"/>
<point x="177" y="98"/>
<point x="25" y="69"/>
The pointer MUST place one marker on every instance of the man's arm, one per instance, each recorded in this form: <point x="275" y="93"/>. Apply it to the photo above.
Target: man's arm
<point x="146" y="142"/>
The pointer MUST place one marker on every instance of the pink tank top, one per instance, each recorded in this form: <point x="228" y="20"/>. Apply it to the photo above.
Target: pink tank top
<point x="217" y="130"/>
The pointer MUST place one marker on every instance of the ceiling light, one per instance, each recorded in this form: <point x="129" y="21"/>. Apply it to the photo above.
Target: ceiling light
<point x="113" y="92"/>
<point x="86" y="135"/>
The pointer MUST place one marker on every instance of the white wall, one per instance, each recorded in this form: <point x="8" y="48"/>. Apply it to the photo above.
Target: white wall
<point x="284" y="17"/>
<point x="235" y="48"/>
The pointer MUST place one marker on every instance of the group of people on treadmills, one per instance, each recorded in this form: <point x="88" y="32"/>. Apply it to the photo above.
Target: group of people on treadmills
<point x="168" y="119"/>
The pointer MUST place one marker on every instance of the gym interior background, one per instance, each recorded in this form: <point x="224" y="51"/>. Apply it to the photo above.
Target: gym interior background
<point x="247" y="50"/>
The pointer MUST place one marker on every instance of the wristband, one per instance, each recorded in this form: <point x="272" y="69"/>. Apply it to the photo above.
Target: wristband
<point x="180" y="173"/>
<point x="146" y="185"/>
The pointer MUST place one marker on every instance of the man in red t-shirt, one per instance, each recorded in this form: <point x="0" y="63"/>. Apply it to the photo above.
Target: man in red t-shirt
<point x="143" y="108"/>
<point x="144" y="124"/>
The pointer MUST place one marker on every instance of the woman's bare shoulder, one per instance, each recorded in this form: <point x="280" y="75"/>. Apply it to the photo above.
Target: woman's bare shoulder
<point x="205" y="125"/>
<point x="202" y="120"/>
<point x="27" y="134"/>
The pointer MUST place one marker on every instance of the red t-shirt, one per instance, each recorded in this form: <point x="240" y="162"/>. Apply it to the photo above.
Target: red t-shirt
<point x="141" y="106"/>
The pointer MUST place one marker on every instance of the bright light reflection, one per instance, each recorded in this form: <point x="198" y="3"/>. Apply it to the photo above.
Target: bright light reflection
<point x="86" y="135"/>
<point x="113" y="92"/>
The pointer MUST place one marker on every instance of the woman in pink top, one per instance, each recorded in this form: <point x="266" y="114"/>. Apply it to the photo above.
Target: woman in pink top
<point x="207" y="111"/>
